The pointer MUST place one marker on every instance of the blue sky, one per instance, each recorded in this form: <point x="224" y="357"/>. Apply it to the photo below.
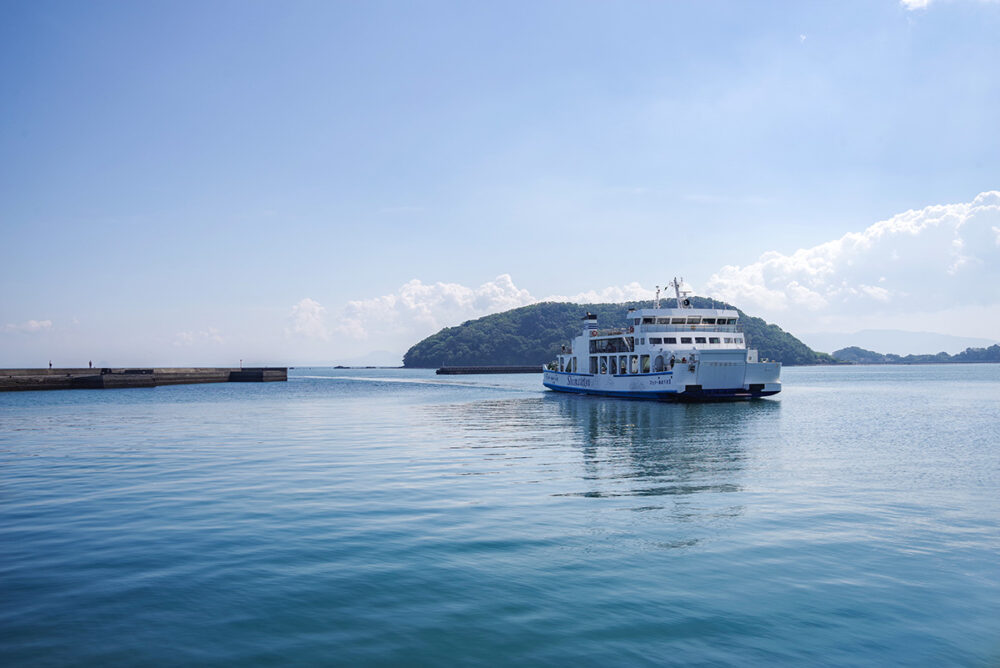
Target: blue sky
<point x="313" y="181"/>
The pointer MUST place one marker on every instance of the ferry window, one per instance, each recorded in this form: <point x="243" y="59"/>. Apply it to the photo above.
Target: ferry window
<point x="604" y="365"/>
<point x="732" y="321"/>
<point x="614" y="365"/>
<point x="636" y="321"/>
<point x="634" y="364"/>
<point x="561" y="367"/>
<point x="622" y="364"/>
<point x="694" y="320"/>
<point x="642" y="342"/>
<point x="699" y="339"/>
<point x="685" y="339"/>
<point x="663" y="321"/>
<point x="645" y="363"/>
<point x="739" y="339"/>
<point x="655" y="340"/>
<point x="728" y="339"/>
<point x="708" y="321"/>
<point x="593" y="365"/>
<point x="648" y="321"/>
<point x="574" y="365"/>
<point x="678" y="321"/>
<point x="713" y="339"/>
<point x="670" y="339"/>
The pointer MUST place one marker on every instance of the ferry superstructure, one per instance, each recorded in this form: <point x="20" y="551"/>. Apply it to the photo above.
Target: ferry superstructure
<point x="666" y="354"/>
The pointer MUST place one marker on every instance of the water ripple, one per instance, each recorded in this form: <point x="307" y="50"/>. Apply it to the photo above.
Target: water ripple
<point x="386" y="517"/>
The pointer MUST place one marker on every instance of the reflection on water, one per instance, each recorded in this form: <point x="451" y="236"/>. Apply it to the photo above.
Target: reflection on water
<point x="689" y="457"/>
<point x="684" y="460"/>
<point x="652" y="449"/>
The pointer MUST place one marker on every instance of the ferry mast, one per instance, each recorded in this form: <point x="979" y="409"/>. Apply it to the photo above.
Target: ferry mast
<point x="682" y="295"/>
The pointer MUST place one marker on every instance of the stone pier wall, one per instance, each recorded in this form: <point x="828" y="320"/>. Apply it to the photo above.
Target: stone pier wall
<point x="80" y="379"/>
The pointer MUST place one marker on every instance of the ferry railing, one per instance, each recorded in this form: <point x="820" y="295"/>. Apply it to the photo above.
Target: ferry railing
<point x="689" y="328"/>
<point x="644" y="329"/>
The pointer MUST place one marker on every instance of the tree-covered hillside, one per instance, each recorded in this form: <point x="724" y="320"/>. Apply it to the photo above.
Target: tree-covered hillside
<point x="533" y="334"/>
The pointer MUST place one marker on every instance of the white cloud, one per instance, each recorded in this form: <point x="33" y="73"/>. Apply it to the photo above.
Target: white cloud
<point x="923" y="4"/>
<point x="422" y="309"/>
<point x="631" y="292"/>
<point x="29" y="326"/>
<point x="307" y="320"/>
<point x="932" y="259"/>
<point x="398" y="320"/>
<point x="933" y="269"/>
<point x="210" y="335"/>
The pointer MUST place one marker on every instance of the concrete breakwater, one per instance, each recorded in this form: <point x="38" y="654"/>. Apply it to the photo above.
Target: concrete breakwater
<point x="461" y="370"/>
<point x="94" y="379"/>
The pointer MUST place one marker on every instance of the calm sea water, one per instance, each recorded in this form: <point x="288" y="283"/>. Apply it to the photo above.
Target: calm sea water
<point x="392" y="517"/>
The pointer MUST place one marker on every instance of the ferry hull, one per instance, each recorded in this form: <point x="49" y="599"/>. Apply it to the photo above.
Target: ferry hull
<point x="673" y="397"/>
<point x="654" y="387"/>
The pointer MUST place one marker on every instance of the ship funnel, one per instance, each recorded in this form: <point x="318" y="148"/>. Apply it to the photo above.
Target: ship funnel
<point x="589" y="322"/>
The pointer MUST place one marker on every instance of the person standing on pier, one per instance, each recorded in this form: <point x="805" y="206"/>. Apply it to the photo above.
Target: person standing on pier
<point x="50" y="364"/>
<point x="91" y="364"/>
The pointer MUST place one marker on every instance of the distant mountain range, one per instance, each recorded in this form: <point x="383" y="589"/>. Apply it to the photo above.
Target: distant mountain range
<point x="894" y="341"/>
<point x="855" y="355"/>
<point x="374" y="358"/>
<point x="533" y="334"/>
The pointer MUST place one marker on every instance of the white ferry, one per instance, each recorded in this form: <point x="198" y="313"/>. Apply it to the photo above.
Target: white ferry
<point x="666" y="354"/>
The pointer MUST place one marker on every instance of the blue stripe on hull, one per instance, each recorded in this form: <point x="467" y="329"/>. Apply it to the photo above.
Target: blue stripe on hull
<point x="705" y="395"/>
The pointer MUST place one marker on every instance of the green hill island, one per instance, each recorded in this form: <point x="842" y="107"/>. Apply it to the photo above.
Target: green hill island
<point x="533" y="334"/>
